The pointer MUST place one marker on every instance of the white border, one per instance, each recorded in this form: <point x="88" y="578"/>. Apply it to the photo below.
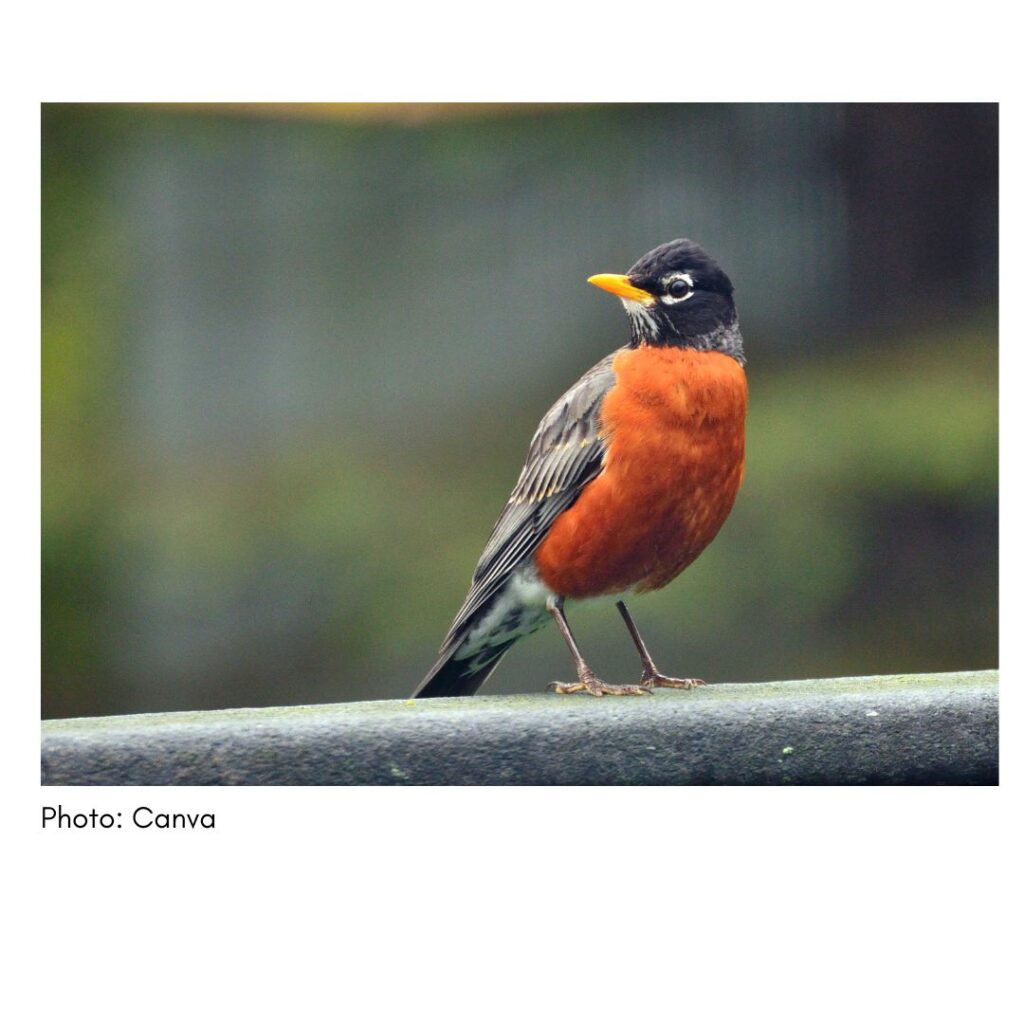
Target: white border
<point x="603" y="904"/>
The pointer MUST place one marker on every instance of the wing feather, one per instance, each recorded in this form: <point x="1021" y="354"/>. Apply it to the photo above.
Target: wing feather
<point x="566" y="453"/>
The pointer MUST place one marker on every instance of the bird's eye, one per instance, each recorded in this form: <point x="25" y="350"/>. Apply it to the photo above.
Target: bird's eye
<point x="679" y="288"/>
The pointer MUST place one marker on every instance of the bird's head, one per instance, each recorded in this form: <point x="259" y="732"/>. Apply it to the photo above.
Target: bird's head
<point x="678" y="295"/>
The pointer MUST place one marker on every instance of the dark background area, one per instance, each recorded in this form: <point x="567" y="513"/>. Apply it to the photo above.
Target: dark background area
<point x="293" y="356"/>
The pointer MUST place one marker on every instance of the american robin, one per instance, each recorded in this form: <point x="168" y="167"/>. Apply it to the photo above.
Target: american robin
<point x="628" y="478"/>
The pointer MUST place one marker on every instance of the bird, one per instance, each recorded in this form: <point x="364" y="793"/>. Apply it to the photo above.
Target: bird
<point x="628" y="478"/>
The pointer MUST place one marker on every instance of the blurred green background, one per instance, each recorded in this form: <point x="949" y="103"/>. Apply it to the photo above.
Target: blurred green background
<point x="293" y="357"/>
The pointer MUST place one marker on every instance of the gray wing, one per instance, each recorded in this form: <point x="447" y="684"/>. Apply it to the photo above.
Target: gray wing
<point x="566" y="453"/>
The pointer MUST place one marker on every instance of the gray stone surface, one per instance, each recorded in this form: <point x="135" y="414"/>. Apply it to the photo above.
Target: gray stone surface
<point x="920" y="729"/>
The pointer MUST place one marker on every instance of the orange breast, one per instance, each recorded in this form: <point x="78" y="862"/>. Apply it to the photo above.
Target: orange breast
<point x="673" y="426"/>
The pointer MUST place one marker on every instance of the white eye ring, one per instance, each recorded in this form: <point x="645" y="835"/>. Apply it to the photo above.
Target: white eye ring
<point x="671" y="300"/>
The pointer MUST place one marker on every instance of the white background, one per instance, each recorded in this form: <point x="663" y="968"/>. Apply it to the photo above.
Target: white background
<point x="483" y="904"/>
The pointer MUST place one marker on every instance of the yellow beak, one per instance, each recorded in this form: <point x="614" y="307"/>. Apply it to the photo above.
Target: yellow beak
<point x="619" y="284"/>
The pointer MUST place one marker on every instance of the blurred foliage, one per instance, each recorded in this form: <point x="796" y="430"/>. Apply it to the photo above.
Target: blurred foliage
<point x="326" y="563"/>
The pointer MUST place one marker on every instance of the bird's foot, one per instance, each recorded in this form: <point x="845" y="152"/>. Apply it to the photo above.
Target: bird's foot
<point x="653" y="679"/>
<point x="597" y="688"/>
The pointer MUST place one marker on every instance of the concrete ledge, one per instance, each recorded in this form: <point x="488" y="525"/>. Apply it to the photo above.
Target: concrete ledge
<point x="921" y="729"/>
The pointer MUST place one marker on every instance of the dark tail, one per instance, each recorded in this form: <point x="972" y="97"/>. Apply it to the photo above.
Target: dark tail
<point x="452" y="677"/>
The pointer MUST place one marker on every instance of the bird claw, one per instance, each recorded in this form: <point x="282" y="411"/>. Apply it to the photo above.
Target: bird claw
<point x="669" y="683"/>
<point x="597" y="688"/>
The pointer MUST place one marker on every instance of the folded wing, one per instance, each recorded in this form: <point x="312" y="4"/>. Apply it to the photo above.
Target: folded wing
<point x="566" y="453"/>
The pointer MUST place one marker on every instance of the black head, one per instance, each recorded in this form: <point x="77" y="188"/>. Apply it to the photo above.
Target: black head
<point x="678" y="295"/>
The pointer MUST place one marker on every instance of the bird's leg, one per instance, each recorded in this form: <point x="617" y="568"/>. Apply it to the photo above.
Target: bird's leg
<point x="651" y="676"/>
<point x="586" y="680"/>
